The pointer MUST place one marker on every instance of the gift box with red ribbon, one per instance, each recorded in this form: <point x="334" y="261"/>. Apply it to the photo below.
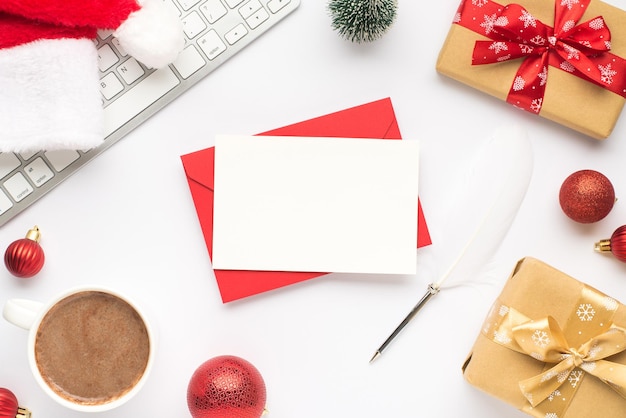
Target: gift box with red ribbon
<point x="552" y="346"/>
<point x="564" y="60"/>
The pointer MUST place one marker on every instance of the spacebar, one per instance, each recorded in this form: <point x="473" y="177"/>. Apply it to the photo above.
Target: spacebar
<point x="131" y="103"/>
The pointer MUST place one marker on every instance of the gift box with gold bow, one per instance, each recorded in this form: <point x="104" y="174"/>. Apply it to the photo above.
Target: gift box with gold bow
<point x="552" y="347"/>
<point x="564" y="60"/>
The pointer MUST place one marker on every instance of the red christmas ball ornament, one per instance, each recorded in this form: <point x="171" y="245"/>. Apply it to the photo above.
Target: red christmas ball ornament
<point x="615" y="245"/>
<point x="587" y="196"/>
<point x="226" y="387"/>
<point x="24" y="258"/>
<point x="9" y="407"/>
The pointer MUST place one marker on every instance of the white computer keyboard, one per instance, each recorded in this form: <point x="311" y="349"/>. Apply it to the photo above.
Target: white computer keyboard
<point x="215" y="30"/>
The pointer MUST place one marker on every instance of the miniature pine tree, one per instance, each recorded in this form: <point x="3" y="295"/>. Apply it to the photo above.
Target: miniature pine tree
<point x="362" y="20"/>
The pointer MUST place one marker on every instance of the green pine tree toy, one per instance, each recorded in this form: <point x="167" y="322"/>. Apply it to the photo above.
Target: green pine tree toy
<point x="362" y="20"/>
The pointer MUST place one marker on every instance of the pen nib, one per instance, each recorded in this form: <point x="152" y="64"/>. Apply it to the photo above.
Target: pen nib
<point x="376" y="355"/>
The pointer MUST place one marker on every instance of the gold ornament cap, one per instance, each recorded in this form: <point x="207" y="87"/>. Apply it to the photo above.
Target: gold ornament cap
<point x="34" y="234"/>
<point x="23" y="413"/>
<point x="603" y="246"/>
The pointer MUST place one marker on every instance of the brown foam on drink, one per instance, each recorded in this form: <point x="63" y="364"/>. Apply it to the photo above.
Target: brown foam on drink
<point x="92" y="348"/>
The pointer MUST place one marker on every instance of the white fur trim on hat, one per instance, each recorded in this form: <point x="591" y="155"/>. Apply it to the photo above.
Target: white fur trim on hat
<point x="153" y="34"/>
<point x="50" y="97"/>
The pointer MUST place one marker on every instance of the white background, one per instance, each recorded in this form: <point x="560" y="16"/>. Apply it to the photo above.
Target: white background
<point x="127" y="221"/>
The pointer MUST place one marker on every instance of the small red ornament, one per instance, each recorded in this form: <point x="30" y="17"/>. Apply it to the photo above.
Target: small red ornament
<point x="9" y="407"/>
<point x="587" y="196"/>
<point x="616" y="244"/>
<point x="24" y="258"/>
<point x="226" y="387"/>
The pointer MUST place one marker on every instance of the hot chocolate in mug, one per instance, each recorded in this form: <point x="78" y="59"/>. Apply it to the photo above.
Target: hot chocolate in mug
<point x="90" y="348"/>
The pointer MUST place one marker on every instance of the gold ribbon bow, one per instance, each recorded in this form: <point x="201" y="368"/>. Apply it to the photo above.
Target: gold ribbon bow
<point x="545" y="341"/>
<point x="582" y="346"/>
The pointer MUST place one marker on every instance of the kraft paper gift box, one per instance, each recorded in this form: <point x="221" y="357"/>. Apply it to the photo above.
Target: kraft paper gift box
<point x="521" y="356"/>
<point x="590" y="107"/>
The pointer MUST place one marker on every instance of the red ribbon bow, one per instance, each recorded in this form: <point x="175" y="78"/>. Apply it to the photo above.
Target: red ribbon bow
<point x="580" y="49"/>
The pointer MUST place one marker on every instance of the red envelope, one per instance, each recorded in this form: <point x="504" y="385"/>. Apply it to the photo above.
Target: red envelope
<point x="371" y="120"/>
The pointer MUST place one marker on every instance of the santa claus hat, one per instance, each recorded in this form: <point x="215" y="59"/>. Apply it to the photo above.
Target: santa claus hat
<point x="49" y="80"/>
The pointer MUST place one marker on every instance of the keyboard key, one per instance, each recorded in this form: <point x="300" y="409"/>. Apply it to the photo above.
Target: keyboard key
<point x="110" y="85"/>
<point x="106" y="57"/>
<point x="5" y="202"/>
<point x="188" y="4"/>
<point x="213" y="10"/>
<point x="104" y="33"/>
<point x="130" y="70"/>
<point x="211" y="44"/>
<point x="188" y="62"/>
<point x="18" y="187"/>
<point x="276" y="5"/>
<point x="8" y="163"/>
<point x="38" y="172"/>
<point x="249" y="8"/>
<point x="236" y="34"/>
<point x="61" y="159"/>
<point x="193" y="25"/>
<point x="27" y="155"/>
<point x="233" y="3"/>
<point x="257" y="18"/>
<point x="142" y="95"/>
<point x="118" y="47"/>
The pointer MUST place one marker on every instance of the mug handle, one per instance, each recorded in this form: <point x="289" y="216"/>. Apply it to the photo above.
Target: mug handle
<point x="21" y="312"/>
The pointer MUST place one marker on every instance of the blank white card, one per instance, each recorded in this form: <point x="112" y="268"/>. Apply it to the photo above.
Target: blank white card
<point x="342" y="205"/>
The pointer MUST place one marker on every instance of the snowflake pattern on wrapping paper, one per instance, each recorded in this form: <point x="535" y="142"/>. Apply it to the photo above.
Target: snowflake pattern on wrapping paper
<point x="543" y="76"/>
<point x="490" y="22"/>
<point x="597" y="24"/>
<point x="551" y="415"/>
<point x="541" y="338"/>
<point x="536" y="104"/>
<point x="503" y="310"/>
<point x="526" y="49"/>
<point x="498" y="47"/>
<point x="585" y="312"/>
<point x="594" y="351"/>
<point x="538" y="357"/>
<point x="528" y="19"/>
<point x="519" y="83"/>
<point x="607" y="73"/>
<point x="569" y="3"/>
<point x="504" y="58"/>
<point x="479" y="3"/>
<point x="567" y="66"/>
<point x="457" y="18"/>
<point x="568" y="25"/>
<point x="501" y="337"/>
<point x="610" y="304"/>
<point x="572" y="53"/>
<point x="538" y="40"/>
<point x="549" y="375"/>
<point x="588" y="366"/>
<point x="561" y="377"/>
<point x="554" y="394"/>
<point x="575" y="377"/>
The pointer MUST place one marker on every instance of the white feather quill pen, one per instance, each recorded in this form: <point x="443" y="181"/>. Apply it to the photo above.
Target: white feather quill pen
<point x="481" y="214"/>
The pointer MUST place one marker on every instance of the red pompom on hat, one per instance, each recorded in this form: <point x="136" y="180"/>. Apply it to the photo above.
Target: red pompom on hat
<point x="49" y="81"/>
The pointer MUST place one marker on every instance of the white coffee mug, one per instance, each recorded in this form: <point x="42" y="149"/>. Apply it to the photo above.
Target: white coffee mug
<point x="110" y="326"/>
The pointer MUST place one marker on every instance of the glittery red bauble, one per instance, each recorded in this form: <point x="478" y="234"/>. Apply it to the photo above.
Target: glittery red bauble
<point x="587" y="196"/>
<point x="226" y="387"/>
<point x="24" y="258"/>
